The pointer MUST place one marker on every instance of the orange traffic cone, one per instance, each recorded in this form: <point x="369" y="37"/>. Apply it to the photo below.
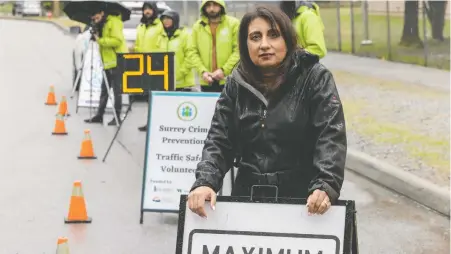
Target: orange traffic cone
<point x="77" y="208"/>
<point x="63" y="107"/>
<point x="87" y="151"/>
<point x="51" y="97"/>
<point x="60" y="127"/>
<point x="62" y="246"/>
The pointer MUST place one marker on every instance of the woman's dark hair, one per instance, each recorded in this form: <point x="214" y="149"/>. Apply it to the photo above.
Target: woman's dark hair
<point x="248" y="70"/>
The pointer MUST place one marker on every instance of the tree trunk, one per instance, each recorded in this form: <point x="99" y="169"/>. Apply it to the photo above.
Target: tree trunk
<point x="410" y="34"/>
<point x="436" y="14"/>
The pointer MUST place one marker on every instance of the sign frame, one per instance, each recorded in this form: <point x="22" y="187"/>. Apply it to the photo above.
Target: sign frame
<point x="146" y="152"/>
<point x="350" y="241"/>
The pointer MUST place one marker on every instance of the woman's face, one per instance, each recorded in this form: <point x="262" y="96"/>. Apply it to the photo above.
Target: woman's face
<point x="167" y="22"/>
<point x="266" y="46"/>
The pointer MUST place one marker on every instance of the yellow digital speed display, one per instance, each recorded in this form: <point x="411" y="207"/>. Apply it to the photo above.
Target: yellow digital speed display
<point x="140" y="72"/>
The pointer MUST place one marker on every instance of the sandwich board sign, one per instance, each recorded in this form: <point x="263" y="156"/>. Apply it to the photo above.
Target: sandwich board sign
<point x="239" y="225"/>
<point x="178" y="124"/>
<point x="89" y="93"/>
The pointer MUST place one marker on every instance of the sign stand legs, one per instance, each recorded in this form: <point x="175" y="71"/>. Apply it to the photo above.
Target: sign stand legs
<point x="74" y="87"/>
<point x="143" y="189"/>
<point x="232" y="179"/>
<point x="129" y="108"/>
<point x="91" y="42"/>
<point x="111" y="90"/>
<point x="77" y="78"/>
<point x="355" y="239"/>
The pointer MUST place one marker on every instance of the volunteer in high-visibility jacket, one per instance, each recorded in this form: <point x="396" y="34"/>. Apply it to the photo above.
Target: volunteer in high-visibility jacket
<point x="214" y="45"/>
<point x="174" y="38"/>
<point x="148" y="30"/>
<point x="309" y="27"/>
<point x="110" y="37"/>
<point x="147" y="33"/>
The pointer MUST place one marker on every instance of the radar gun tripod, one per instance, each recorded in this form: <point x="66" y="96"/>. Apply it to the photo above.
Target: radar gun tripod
<point x="105" y="79"/>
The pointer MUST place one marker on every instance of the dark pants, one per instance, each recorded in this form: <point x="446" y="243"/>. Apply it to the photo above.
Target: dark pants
<point x="110" y="75"/>
<point x="215" y="87"/>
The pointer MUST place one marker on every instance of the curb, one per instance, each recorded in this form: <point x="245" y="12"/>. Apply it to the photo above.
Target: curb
<point x="398" y="180"/>
<point x="62" y="28"/>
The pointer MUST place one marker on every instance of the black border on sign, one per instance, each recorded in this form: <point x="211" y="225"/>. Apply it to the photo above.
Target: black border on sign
<point x="290" y="235"/>
<point x="350" y="235"/>
<point x="171" y="62"/>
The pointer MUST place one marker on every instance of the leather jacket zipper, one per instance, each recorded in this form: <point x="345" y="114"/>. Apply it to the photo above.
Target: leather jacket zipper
<point x="263" y="118"/>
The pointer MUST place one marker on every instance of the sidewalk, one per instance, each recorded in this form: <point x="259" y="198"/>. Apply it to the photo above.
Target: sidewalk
<point x="396" y="112"/>
<point x="390" y="71"/>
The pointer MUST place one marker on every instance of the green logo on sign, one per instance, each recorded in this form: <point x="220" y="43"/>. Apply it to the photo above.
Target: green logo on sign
<point x="187" y="111"/>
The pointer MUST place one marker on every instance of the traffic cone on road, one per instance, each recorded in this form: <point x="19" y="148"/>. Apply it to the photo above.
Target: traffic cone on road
<point x="77" y="208"/>
<point x="51" y="97"/>
<point x="62" y="246"/>
<point x="87" y="150"/>
<point x="60" y="127"/>
<point x="63" y="107"/>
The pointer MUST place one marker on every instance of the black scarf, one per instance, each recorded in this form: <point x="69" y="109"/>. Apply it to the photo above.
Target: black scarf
<point x="147" y="21"/>
<point x="170" y="31"/>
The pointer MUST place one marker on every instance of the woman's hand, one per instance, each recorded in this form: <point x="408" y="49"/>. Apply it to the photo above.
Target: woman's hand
<point x="318" y="202"/>
<point x="197" y="197"/>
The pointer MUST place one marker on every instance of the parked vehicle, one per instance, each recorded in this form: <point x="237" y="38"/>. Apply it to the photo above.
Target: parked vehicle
<point x="136" y="7"/>
<point x="130" y="29"/>
<point x="27" y="8"/>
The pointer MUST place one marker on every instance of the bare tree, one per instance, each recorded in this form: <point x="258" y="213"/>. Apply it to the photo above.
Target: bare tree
<point x="410" y="33"/>
<point x="435" y="11"/>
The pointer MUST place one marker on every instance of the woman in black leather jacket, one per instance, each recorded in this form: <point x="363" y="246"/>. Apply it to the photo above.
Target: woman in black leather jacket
<point x="281" y="113"/>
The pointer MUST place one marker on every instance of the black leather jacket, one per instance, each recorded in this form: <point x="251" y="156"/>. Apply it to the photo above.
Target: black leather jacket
<point x="296" y="142"/>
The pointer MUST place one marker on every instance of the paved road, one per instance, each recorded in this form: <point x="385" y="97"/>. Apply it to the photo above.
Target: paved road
<point x="38" y="170"/>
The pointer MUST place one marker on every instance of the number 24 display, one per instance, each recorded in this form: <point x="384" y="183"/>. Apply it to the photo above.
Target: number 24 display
<point x="149" y="71"/>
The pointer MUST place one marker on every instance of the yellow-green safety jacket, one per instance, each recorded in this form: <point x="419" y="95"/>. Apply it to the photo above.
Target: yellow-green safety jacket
<point x="112" y="41"/>
<point x="310" y="30"/>
<point x="227" y="53"/>
<point x="178" y="43"/>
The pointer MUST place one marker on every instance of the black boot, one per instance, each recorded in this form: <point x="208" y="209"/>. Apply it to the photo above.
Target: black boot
<point x="143" y="128"/>
<point x="95" y="119"/>
<point x="113" y="122"/>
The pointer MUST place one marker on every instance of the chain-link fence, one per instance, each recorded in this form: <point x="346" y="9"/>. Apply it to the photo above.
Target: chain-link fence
<point x="368" y="28"/>
<point x="379" y="29"/>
